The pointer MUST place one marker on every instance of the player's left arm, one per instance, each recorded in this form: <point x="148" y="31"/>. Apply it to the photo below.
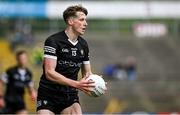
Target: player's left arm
<point x="86" y="70"/>
<point x="86" y="66"/>
<point x="31" y="89"/>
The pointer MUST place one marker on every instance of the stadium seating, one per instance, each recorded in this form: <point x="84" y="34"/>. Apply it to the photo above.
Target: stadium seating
<point x="6" y="56"/>
<point x="158" y="65"/>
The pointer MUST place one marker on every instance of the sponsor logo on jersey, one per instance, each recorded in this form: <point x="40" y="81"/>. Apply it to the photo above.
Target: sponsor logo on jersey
<point x="65" y="50"/>
<point x="69" y="63"/>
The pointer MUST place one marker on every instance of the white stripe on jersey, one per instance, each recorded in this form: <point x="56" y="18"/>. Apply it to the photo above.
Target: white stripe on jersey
<point x="86" y="62"/>
<point x="49" y="49"/>
<point x="49" y="56"/>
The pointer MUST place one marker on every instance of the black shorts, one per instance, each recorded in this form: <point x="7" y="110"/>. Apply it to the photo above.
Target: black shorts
<point x="13" y="106"/>
<point x="55" y="102"/>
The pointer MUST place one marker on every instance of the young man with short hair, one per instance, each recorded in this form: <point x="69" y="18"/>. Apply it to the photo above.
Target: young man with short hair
<point x="65" y="53"/>
<point x="16" y="79"/>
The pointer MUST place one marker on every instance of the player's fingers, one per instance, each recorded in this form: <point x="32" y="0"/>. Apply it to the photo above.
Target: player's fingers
<point x="88" y="85"/>
<point x="83" y="90"/>
<point x="91" y="85"/>
<point x="105" y="89"/>
<point x="84" y="78"/>
<point x="88" y="89"/>
<point x="87" y="76"/>
<point x="87" y="92"/>
<point x="88" y="82"/>
<point x="105" y="92"/>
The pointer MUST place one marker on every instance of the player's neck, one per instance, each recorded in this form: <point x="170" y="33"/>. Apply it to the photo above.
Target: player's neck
<point x="71" y="34"/>
<point x="21" y="66"/>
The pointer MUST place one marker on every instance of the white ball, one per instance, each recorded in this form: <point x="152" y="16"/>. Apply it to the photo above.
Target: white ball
<point x="100" y="85"/>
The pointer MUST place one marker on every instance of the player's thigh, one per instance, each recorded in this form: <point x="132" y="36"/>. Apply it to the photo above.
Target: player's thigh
<point x="76" y="109"/>
<point x="73" y="109"/>
<point x="22" y="112"/>
<point x="44" y="112"/>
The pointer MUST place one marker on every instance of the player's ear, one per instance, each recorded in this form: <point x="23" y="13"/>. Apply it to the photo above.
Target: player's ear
<point x="70" y="21"/>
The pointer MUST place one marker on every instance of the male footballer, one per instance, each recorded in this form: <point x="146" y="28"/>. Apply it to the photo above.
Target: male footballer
<point x="65" y="53"/>
<point x="16" y="79"/>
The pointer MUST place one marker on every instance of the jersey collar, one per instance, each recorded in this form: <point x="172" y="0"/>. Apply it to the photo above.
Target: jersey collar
<point x="71" y="42"/>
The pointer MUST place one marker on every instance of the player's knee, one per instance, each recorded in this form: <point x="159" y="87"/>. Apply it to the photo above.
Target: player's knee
<point x="76" y="109"/>
<point x="22" y="112"/>
<point x="76" y="112"/>
<point x="44" y="112"/>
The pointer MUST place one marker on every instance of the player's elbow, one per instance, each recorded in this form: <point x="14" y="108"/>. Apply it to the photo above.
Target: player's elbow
<point x="48" y="74"/>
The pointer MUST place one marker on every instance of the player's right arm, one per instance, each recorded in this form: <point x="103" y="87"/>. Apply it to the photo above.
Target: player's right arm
<point x="51" y="74"/>
<point x="50" y="62"/>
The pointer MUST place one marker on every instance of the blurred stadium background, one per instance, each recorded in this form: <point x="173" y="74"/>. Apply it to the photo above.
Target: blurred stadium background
<point x="147" y="30"/>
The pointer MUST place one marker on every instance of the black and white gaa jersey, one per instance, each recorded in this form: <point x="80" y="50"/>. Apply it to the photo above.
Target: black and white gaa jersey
<point x="68" y="55"/>
<point x="16" y="80"/>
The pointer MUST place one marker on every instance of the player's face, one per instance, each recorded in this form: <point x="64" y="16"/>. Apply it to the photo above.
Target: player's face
<point x="79" y="23"/>
<point x="22" y="59"/>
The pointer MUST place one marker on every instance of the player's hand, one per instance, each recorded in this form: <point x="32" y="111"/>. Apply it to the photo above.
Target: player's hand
<point x="106" y="86"/>
<point x="84" y="85"/>
<point x="34" y="95"/>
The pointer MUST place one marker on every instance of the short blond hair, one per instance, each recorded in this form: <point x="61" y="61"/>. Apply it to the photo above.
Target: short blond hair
<point x="72" y="10"/>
